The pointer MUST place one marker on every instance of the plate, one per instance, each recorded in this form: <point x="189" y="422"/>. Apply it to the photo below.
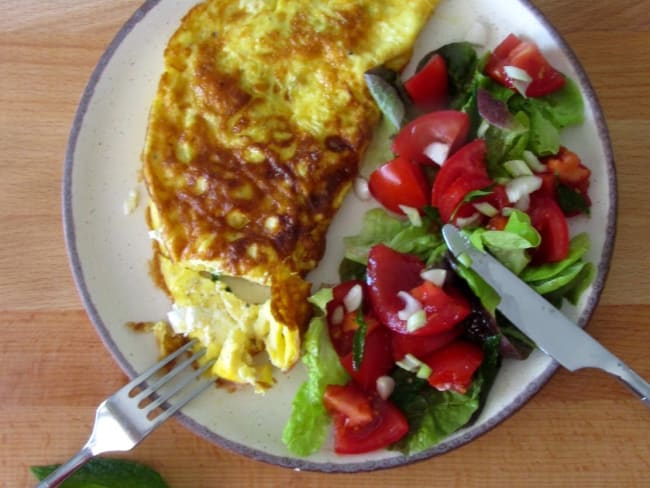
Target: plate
<point x="109" y="251"/>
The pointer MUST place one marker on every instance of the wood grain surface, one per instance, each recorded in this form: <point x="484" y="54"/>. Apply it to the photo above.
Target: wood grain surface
<point x="582" y="429"/>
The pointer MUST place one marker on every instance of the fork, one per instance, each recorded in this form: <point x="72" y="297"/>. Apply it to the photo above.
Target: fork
<point x="125" y="418"/>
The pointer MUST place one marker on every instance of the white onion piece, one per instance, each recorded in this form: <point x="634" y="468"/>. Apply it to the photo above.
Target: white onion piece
<point x="477" y="34"/>
<point x="520" y="79"/>
<point x="385" y="386"/>
<point x="437" y="152"/>
<point x="411" y="305"/>
<point x="486" y="209"/>
<point x="413" y="215"/>
<point x="361" y="189"/>
<point x="533" y="162"/>
<point x="337" y="315"/>
<point x="523" y="185"/>
<point x="468" y="221"/>
<point x="435" y="276"/>
<point x="352" y="301"/>
<point x="409" y="362"/>
<point x="523" y="203"/>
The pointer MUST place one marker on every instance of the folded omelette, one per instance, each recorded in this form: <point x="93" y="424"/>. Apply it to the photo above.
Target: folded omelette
<point x="255" y="135"/>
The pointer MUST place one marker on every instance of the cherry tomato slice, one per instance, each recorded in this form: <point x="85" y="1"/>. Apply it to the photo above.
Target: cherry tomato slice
<point x="526" y="56"/>
<point x="390" y="272"/>
<point x="387" y="426"/>
<point x="428" y="87"/>
<point x="549" y="220"/>
<point x="452" y="198"/>
<point x="454" y="365"/>
<point x="449" y="127"/>
<point x="399" y="182"/>
<point x="467" y="161"/>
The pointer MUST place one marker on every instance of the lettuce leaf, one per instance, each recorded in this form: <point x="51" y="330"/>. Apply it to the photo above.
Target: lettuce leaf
<point x="308" y="422"/>
<point x="399" y="234"/>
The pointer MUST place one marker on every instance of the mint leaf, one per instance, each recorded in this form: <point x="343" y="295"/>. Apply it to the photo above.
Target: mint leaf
<point x="107" y="473"/>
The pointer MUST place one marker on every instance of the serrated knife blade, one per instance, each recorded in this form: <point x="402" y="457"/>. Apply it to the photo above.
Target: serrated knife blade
<point x="554" y="334"/>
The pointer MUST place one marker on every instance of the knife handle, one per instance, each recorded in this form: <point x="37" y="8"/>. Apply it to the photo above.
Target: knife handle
<point x="631" y="379"/>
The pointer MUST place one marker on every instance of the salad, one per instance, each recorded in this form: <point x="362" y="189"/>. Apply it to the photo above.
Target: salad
<point x="403" y="351"/>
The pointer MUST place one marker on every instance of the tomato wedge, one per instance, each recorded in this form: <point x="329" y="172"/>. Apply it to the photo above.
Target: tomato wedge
<point x="448" y="127"/>
<point x="524" y="55"/>
<point x="454" y="365"/>
<point x="452" y="198"/>
<point x="428" y="87"/>
<point x="388" y="425"/>
<point x="549" y="220"/>
<point x="341" y="331"/>
<point x="399" y="182"/>
<point x="467" y="161"/>
<point x="390" y="272"/>
<point x="421" y="346"/>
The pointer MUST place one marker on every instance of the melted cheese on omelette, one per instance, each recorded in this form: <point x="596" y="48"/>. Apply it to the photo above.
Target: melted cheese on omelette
<point x="255" y="135"/>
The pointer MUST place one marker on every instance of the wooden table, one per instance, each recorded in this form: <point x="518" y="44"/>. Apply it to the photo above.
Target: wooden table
<point x="581" y="429"/>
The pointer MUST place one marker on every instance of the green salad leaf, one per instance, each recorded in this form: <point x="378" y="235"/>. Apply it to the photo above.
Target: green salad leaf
<point x="107" y="473"/>
<point x="306" y="428"/>
<point x="433" y="415"/>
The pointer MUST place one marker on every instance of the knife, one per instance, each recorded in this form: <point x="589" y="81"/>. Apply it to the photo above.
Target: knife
<point x="553" y="333"/>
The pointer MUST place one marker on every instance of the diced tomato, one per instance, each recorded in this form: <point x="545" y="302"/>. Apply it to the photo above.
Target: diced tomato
<point x="454" y="365"/>
<point x="498" y="222"/>
<point x="524" y="55"/>
<point x="549" y="220"/>
<point x="377" y="357"/>
<point x="387" y="426"/>
<point x="569" y="170"/>
<point x="549" y="182"/>
<point x="341" y="330"/>
<point x="421" y="346"/>
<point x="452" y="198"/>
<point x="443" y="310"/>
<point x="348" y="401"/>
<point x="399" y="182"/>
<point x="467" y="161"/>
<point x="428" y="87"/>
<point x="449" y="127"/>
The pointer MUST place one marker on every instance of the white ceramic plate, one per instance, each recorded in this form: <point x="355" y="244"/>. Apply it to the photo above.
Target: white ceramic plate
<point x="109" y="251"/>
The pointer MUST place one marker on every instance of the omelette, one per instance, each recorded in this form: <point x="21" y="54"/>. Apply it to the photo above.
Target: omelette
<point x="255" y="135"/>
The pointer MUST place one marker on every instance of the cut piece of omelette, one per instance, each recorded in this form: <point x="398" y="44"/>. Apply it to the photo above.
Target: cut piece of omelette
<point x="255" y="135"/>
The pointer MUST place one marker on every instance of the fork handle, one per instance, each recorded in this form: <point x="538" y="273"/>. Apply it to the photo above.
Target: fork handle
<point x="60" y="474"/>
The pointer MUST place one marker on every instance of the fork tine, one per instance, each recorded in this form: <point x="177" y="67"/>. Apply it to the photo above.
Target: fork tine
<point x="156" y="367"/>
<point x="168" y="376"/>
<point x="178" y="387"/>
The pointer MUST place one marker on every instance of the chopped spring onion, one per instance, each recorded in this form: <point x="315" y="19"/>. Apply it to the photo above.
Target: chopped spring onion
<point x="482" y="128"/>
<point x="409" y="362"/>
<point x="486" y="208"/>
<point x="361" y="189"/>
<point x="523" y="203"/>
<point x="424" y="372"/>
<point x="435" y="276"/>
<point x="520" y="79"/>
<point x="533" y="161"/>
<point x="468" y="221"/>
<point x="437" y="152"/>
<point x="517" y="167"/>
<point x="413" y="215"/>
<point x="411" y="305"/>
<point x="416" y="321"/>
<point x="522" y="185"/>
<point x="385" y="386"/>
<point x="352" y="301"/>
